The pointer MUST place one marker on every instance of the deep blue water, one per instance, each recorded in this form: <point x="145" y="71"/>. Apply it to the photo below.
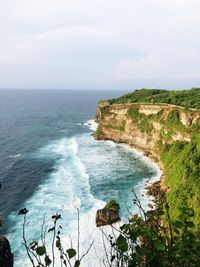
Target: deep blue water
<point x="50" y="163"/>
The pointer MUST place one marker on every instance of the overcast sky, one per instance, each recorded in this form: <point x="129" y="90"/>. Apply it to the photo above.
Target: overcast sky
<point x="94" y="44"/>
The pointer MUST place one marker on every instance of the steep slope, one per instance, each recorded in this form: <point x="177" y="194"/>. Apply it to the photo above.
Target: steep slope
<point x="170" y="134"/>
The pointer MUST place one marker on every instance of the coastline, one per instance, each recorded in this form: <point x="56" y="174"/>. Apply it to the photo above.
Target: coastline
<point x="145" y="185"/>
<point x="147" y="157"/>
<point x="155" y="161"/>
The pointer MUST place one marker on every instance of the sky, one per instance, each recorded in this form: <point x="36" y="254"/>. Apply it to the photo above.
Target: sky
<point x="99" y="44"/>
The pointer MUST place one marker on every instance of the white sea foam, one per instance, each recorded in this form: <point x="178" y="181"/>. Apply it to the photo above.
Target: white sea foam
<point x="66" y="188"/>
<point x="111" y="143"/>
<point x="15" y="156"/>
<point x="91" y="124"/>
<point x="141" y="187"/>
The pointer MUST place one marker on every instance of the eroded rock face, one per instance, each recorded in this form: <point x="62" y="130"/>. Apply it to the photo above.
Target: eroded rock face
<point x="107" y="216"/>
<point x="115" y="124"/>
<point x="6" y="257"/>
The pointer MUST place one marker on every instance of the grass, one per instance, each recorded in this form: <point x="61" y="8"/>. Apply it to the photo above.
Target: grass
<point x="182" y="174"/>
<point x="140" y="119"/>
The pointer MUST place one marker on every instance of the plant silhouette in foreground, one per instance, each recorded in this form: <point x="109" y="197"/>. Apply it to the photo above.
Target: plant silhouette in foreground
<point x="149" y="239"/>
<point x="152" y="239"/>
<point x="38" y="252"/>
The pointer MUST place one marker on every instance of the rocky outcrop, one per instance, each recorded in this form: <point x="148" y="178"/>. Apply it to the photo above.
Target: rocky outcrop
<point x="108" y="215"/>
<point x="6" y="257"/>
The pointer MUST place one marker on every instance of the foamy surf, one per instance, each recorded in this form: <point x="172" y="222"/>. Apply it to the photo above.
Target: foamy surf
<point x="91" y="124"/>
<point x="86" y="173"/>
<point x="15" y="156"/>
<point x="66" y="188"/>
<point x="141" y="187"/>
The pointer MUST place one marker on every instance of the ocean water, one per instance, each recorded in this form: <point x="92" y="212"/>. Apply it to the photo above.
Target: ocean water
<point x="50" y="163"/>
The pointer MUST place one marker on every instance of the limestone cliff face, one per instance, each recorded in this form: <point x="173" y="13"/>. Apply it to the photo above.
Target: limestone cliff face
<point x="144" y="125"/>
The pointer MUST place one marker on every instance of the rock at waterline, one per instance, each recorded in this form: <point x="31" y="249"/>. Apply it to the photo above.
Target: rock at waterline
<point x="108" y="215"/>
<point x="6" y="256"/>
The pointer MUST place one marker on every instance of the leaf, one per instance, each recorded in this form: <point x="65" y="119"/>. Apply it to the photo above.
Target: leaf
<point x="190" y="212"/>
<point x="190" y="224"/>
<point x="33" y="244"/>
<point x="77" y="263"/>
<point x="58" y="244"/>
<point x="122" y="243"/>
<point x="51" y="229"/>
<point x="178" y="224"/>
<point x="41" y="250"/>
<point x="140" y="251"/>
<point x="56" y="217"/>
<point x="158" y="245"/>
<point x="47" y="260"/>
<point x="112" y="258"/>
<point x="133" y="235"/>
<point x="71" y="252"/>
<point x="160" y="212"/>
<point x="176" y="231"/>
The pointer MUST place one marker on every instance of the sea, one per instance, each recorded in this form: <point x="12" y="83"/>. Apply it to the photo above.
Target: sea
<point x="51" y="164"/>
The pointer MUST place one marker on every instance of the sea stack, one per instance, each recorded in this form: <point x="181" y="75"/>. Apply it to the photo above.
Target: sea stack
<point x="108" y="215"/>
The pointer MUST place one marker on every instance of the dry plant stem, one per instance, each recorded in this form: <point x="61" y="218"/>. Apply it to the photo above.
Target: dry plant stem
<point x="53" y="242"/>
<point x="104" y="246"/>
<point x="61" y="263"/>
<point x="78" y="233"/>
<point x="138" y="204"/>
<point x="66" y="256"/>
<point x="25" y="243"/>
<point x="87" y="251"/>
<point x="43" y="235"/>
<point x="129" y="212"/>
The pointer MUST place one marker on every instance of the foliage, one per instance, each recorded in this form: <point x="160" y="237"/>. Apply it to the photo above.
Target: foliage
<point x="140" y="119"/>
<point x="98" y="131"/>
<point x="146" y="241"/>
<point x="39" y="253"/>
<point x="182" y="175"/>
<point x="116" y="125"/>
<point x="185" y="98"/>
<point x="181" y="160"/>
<point x="173" y="121"/>
<point x="112" y="204"/>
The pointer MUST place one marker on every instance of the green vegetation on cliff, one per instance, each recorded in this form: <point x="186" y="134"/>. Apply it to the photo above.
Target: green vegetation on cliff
<point x="181" y="161"/>
<point x="185" y="98"/>
<point x="144" y="122"/>
<point x="140" y="119"/>
<point x="174" y="133"/>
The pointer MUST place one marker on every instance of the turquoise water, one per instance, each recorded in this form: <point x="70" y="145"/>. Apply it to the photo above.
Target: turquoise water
<point x="51" y="163"/>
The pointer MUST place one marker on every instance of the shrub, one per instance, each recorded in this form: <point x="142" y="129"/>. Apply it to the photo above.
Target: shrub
<point x="112" y="204"/>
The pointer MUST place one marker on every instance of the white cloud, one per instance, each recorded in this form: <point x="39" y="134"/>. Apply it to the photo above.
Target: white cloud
<point x="93" y="43"/>
<point x="179" y="65"/>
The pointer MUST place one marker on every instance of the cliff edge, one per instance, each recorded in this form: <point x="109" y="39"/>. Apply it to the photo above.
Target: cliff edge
<point x="145" y="126"/>
<point x="168" y="133"/>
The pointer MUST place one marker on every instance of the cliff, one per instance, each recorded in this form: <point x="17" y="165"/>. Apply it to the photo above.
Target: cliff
<point x="144" y="126"/>
<point x="169" y="133"/>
